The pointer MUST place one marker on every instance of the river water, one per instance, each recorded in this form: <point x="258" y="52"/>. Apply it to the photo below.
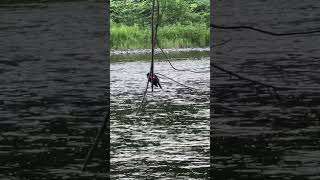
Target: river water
<point x="169" y="138"/>
<point x="254" y="135"/>
<point x="53" y="84"/>
<point x="53" y="89"/>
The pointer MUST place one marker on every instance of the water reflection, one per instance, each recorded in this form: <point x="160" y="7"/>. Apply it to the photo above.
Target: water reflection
<point x="52" y="90"/>
<point x="255" y="136"/>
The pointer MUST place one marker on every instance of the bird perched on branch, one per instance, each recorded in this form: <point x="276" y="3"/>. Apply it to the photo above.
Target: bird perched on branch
<point x="154" y="78"/>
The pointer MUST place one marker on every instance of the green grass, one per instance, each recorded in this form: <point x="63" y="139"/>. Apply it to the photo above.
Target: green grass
<point x="178" y="36"/>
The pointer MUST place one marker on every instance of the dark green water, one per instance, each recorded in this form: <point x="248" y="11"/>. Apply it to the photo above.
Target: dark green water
<point x="254" y="135"/>
<point x="52" y="90"/>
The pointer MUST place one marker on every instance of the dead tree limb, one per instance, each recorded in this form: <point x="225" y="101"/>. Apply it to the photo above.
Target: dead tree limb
<point x="167" y="59"/>
<point x="96" y="141"/>
<point x="177" y="82"/>
<point x="154" y="31"/>
<point x="144" y="96"/>
<point x="264" y="31"/>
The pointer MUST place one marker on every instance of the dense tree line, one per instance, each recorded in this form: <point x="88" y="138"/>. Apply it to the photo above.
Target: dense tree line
<point x="138" y="12"/>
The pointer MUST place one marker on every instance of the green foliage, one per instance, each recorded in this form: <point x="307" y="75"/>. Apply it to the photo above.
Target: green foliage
<point x="130" y="12"/>
<point x="182" y="36"/>
<point x="184" y="23"/>
<point x="172" y="36"/>
<point x="129" y="37"/>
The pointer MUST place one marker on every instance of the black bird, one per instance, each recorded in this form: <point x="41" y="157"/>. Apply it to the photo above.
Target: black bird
<point x="155" y="78"/>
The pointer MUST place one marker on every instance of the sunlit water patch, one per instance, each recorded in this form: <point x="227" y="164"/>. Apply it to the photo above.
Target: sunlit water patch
<point x="169" y="138"/>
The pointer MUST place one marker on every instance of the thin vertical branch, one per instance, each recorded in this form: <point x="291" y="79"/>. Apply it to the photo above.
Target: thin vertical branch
<point x="96" y="141"/>
<point x="144" y="96"/>
<point x="152" y="44"/>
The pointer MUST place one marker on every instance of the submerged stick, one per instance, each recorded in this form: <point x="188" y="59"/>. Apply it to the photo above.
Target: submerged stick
<point x="144" y="96"/>
<point x="177" y="82"/>
<point x="96" y="141"/>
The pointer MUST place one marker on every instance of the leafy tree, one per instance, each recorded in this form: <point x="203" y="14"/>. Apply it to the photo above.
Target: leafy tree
<point x="131" y="12"/>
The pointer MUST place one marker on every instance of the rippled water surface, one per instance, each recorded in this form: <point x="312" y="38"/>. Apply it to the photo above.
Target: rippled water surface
<point x="52" y="89"/>
<point x="169" y="139"/>
<point x="256" y="136"/>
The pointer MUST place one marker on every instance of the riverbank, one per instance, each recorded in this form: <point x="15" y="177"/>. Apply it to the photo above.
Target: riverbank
<point x="175" y="36"/>
<point x="158" y="51"/>
<point x="172" y="53"/>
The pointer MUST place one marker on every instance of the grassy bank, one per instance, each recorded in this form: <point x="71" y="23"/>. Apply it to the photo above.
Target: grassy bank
<point x="177" y="36"/>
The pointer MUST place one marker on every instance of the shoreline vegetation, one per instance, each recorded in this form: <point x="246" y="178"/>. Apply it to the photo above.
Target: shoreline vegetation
<point x="124" y="37"/>
<point x="158" y="51"/>
<point x="183" y="24"/>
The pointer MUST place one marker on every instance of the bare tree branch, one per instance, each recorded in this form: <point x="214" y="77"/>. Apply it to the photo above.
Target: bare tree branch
<point x="264" y="31"/>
